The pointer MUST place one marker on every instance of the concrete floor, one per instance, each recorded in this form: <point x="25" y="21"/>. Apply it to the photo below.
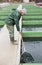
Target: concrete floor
<point x="7" y="50"/>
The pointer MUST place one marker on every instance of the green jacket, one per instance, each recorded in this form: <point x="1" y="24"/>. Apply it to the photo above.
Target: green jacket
<point x="13" y="19"/>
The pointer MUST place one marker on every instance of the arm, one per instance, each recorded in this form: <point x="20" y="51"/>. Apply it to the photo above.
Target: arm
<point x="16" y="19"/>
<point x="17" y="16"/>
<point x="17" y="24"/>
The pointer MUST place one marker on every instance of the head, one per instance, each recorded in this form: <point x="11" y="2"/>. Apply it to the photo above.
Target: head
<point x="21" y="11"/>
<point x="22" y="14"/>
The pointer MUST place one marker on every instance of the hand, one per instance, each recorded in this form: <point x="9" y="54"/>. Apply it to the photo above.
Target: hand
<point x="20" y="34"/>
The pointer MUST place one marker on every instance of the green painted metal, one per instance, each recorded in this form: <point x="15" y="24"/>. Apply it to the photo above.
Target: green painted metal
<point x="33" y="14"/>
<point x="2" y="23"/>
<point x="32" y="64"/>
<point x="34" y="11"/>
<point x="3" y="17"/>
<point x="31" y="34"/>
<point x="31" y="7"/>
<point x="33" y="22"/>
<point x="4" y="13"/>
<point x="32" y="17"/>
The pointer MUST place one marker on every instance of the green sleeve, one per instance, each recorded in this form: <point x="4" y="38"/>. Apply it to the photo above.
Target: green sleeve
<point x="17" y="24"/>
<point x="16" y="19"/>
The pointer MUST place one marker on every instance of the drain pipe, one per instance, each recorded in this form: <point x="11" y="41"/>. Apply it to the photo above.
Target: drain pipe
<point x="19" y="44"/>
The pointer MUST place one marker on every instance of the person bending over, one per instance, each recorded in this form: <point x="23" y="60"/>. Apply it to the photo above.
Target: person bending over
<point x="13" y="19"/>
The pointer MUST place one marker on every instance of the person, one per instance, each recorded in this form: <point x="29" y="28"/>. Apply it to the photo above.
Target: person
<point x="13" y="19"/>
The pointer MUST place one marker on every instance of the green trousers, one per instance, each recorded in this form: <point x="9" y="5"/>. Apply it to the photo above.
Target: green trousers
<point x="11" y="31"/>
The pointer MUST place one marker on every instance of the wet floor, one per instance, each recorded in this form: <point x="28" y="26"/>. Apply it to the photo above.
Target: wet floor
<point x="7" y="49"/>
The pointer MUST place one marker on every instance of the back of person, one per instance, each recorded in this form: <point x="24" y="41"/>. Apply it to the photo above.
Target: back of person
<point x="13" y="19"/>
<point x="15" y="15"/>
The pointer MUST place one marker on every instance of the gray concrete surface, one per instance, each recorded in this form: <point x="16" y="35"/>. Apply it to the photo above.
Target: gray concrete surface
<point x="7" y="50"/>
